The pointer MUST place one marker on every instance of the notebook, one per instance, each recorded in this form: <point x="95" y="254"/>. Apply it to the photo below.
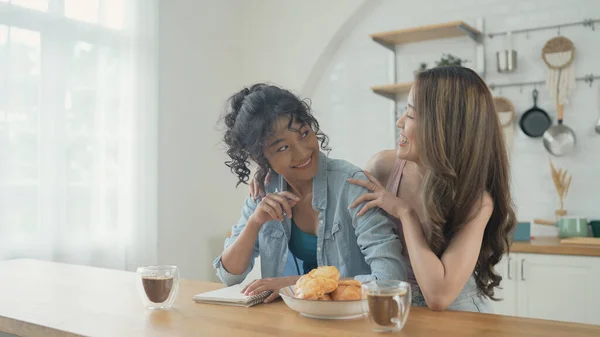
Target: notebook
<point x="231" y="296"/>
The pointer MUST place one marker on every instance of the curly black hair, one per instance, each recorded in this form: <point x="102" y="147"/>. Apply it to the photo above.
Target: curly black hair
<point x="250" y="119"/>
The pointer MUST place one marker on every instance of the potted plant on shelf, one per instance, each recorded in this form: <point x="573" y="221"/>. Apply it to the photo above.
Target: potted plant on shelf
<point x="450" y="60"/>
<point x="422" y="67"/>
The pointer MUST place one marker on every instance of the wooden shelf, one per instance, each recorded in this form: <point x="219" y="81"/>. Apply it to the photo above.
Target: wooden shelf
<point x="393" y="38"/>
<point x="424" y="33"/>
<point x="390" y="90"/>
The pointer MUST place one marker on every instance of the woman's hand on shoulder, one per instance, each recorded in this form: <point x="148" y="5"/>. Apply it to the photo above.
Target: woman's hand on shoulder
<point x="378" y="196"/>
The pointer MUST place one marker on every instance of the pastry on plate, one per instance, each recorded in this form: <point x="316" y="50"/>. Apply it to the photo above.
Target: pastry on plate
<point x="313" y="288"/>
<point x="349" y="282"/>
<point x="326" y="271"/>
<point x="326" y="297"/>
<point x="346" y="293"/>
<point x="317" y="283"/>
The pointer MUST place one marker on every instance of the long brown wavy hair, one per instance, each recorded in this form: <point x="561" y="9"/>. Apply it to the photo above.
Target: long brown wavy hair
<point x="462" y="146"/>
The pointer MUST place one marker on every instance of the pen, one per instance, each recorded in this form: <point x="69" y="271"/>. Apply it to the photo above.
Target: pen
<point x="282" y="209"/>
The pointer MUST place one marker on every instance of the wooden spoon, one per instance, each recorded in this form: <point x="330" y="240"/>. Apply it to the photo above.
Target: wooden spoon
<point x="543" y="222"/>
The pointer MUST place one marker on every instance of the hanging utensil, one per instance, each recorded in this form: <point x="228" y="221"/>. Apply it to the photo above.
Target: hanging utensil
<point x="505" y="110"/>
<point x="558" y="54"/>
<point x="506" y="60"/>
<point x="535" y="121"/>
<point x="506" y="114"/>
<point x="559" y="139"/>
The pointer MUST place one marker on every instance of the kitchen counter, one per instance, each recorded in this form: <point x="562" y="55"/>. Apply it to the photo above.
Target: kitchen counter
<point x="552" y="245"/>
<point x="53" y="299"/>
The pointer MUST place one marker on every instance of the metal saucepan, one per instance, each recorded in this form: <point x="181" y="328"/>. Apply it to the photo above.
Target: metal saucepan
<point x="559" y="139"/>
<point x="535" y="121"/>
<point x="568" y="226"/>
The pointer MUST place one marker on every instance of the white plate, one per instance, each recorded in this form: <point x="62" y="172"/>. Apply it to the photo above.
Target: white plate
<point x="322" y="309"/>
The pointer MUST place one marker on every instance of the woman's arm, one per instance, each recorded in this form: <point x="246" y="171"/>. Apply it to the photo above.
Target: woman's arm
<point x="241" y="248"/>
<point x="228" y="269"/>
<point x="376" y="238"/>
<point x="236" y="257"/>
<point x="442" y="279"/>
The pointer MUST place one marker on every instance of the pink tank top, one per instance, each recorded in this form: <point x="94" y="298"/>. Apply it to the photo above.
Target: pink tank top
<point x="393" y="185"/>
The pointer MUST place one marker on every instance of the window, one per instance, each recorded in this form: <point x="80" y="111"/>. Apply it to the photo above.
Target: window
<point x="69" y="130"/>
<point x="40" y="5"/>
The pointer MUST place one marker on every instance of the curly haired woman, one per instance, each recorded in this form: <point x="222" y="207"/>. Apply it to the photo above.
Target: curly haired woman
<point x="306" y="207"/>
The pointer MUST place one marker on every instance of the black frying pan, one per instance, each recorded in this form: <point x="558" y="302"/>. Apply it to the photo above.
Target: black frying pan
<point x="535" y="121"/>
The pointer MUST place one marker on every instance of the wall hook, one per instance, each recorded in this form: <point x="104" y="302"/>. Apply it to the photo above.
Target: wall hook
<point x="589" y="79"/>
<point x="589" y="23"/>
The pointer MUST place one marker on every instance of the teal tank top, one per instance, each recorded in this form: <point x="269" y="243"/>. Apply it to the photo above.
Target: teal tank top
<point x="304" y="248"/>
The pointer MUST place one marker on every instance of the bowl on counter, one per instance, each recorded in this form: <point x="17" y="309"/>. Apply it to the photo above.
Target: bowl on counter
<point x="322" y="309"/>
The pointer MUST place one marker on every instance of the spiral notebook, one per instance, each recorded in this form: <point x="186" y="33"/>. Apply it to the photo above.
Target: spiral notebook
<point x="231" y="296"/>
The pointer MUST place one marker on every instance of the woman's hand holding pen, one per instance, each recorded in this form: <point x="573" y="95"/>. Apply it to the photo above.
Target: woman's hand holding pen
<point x="274" y="206"/>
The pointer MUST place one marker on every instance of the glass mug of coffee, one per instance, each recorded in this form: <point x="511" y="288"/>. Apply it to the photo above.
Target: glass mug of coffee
<point x="158" y="286"/>
<point x="387" y="304"/>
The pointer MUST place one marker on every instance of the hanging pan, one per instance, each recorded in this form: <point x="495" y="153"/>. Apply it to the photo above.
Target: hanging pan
<point x="535" y="121"/>
<point x="558" y="54"/>
<point x="559" y="139"/>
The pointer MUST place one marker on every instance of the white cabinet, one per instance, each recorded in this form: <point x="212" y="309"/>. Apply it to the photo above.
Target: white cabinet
<point x="554" y="287"/>
<point x="508" y="294"/>
<point x="559" y="287"/>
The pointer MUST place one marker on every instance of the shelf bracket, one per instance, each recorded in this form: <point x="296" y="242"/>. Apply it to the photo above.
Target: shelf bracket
<point x="472" y="35"/>
<point x="480" y="49"/>
<point x="391" y="96"/>
<point x="386" y="45"/>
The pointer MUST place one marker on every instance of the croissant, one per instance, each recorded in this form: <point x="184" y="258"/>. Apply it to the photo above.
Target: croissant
<point x="314" y="288"/>
<point x="326" y="297"/>
<point x="326" y="271"/>
<point x="346" y="293"/>
<point x="324" y="284"/>
<point x="353" y="283"/>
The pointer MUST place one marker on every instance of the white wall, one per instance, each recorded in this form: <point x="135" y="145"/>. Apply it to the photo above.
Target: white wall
<point x="200" y="66"/>
<point x="283" y="40"/>
<point x="208" y="50"/>
<point x="343" y="92"/>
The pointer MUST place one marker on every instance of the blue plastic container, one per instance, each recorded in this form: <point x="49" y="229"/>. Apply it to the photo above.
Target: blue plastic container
<point x="522" y="231"/>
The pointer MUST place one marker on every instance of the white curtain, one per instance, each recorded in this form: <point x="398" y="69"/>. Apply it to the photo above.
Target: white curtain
<point x="78" y="112"/>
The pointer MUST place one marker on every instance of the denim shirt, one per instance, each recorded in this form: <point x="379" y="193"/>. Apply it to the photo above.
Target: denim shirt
<point x="364" y="247"/>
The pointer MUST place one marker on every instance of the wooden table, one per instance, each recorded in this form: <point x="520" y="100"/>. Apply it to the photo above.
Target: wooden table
<point x="51" y="299"/>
